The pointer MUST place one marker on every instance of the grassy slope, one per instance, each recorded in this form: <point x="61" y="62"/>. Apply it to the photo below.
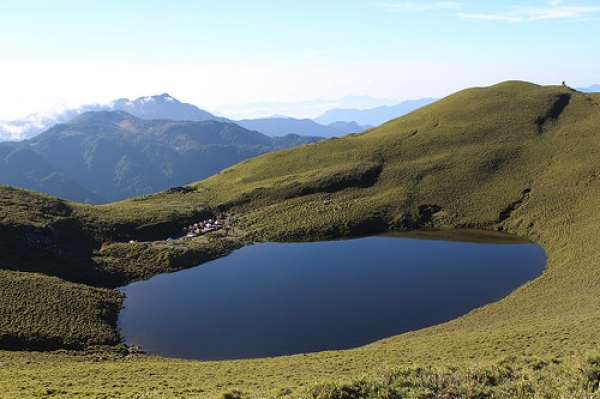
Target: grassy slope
<point x="504" y="157"/>
<point x="476" y="154"/>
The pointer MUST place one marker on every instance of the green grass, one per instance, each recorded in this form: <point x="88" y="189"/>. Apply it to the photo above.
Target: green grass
<point x="53" y="318"/>
<point x="326" y="375"/>
<point x="515" y="157"/>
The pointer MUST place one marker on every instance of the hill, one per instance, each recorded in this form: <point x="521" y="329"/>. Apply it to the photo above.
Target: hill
<point x="515" y="157"/>
<point x="111" y="155"/>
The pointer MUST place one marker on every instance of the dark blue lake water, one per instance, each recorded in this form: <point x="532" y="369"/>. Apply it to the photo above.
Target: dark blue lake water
<point x="276" y="299"/>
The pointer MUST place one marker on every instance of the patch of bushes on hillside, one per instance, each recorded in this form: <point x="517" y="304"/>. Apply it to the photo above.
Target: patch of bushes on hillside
<point x="45" y="313"/>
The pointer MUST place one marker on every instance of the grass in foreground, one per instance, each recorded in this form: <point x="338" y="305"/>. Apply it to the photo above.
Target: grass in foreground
<point x="37" y="375"/>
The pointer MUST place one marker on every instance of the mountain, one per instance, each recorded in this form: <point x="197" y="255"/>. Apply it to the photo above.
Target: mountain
<point x="513" y="157"/>
<point x="152" y="107"/>
<point x="300" y="109"/>
<point x="590" y="89"/>
<point x="34" y="124"/>
<point x="111" y="155"/>
<point x="348" y="127"/>
<point x="371" y="117"/>
<point x="163" y="107"/>
<point x="22" y="167"/>
<point x="304" y="127"/>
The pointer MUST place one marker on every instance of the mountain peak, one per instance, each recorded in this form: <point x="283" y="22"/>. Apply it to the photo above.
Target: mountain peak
<point x="167" y="97"/>
<point x="162" y="106"/>
<point x="161" y="98"/>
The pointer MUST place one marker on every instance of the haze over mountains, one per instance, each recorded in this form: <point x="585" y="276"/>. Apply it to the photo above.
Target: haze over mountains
<point x="590" y="89"/>
<point x="372" y="117"/>
<point x="352" y="111"/>
<point x="304" y="127"/>
<point x="152" y="107"/>
<point x="166" y="107"/>
<point x="299" y="109"/>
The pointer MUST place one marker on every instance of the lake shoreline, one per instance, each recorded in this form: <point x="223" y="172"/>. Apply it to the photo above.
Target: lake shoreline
<point x="319" y="266"/>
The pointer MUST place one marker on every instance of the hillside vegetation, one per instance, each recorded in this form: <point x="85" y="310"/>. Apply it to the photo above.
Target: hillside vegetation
<point x="515" y="157"/>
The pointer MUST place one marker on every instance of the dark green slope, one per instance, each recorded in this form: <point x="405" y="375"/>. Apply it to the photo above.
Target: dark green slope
<point x="515" y="156"/>
<point x="471" y="155"/>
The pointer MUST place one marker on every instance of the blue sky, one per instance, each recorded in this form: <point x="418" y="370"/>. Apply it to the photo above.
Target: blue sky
<point x="217" y="53"/>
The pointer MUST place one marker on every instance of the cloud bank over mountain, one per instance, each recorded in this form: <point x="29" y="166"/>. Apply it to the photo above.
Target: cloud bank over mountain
<point x="167" y="107"/>
<point x="150" y="107"/>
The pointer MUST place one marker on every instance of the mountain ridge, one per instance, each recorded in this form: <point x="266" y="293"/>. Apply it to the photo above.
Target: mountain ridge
<point x="166" y="107"/>
<point x="302" y="127"/>
<point x="104" y="156"/>
<point x="161" y="106"/>
<point x="372" y="117"/>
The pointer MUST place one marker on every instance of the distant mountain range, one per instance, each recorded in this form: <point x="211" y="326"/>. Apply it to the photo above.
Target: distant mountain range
<point x="333" y="123"/>
<point x="590" y="89"/>
<point x="154" y="107"/>
<point x="303" y="127"/>
<point x="104" y="153"/>
<point x="372" y="117"/>
<point x="346" y="115"/>
<point x="300" y="109"/>
<point x="105" y="156"/>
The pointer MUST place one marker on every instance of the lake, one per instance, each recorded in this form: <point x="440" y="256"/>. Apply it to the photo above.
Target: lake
<point x="276" y="299"/>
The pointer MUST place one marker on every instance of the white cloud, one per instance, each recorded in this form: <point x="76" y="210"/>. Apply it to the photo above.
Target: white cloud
<point x="554" y="10"/>
<point x="416" y="6"/>
<point x="11" y="132"/>
<point x="490" y="17"/>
